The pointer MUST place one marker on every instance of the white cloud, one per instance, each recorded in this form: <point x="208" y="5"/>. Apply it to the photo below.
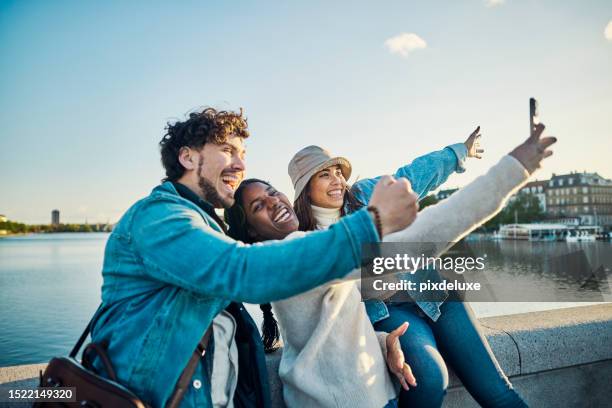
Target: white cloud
<point x="494" y="3"/>
<point x="608" y="31"/>
<point x="403" y="44"/>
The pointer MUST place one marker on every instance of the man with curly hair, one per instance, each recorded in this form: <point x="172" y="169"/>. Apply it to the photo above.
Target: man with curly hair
<point x="185" y="145"/>
<point x="170" y="270"/>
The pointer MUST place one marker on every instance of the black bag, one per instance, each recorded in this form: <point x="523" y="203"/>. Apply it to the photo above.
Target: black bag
<point x="95" y="391"/>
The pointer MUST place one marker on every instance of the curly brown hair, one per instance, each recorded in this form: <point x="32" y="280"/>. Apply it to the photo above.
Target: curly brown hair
<point x="208" y="126"/>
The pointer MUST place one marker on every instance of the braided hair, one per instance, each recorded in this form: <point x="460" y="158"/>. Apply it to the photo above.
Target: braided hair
<point x="235" y="217"/>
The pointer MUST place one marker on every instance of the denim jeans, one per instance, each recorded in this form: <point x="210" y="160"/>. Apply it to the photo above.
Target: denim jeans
<point x="391" y="404"/>
<point x="454" y="339"/>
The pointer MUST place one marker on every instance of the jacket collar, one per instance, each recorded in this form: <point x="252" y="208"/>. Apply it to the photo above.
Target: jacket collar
<point x="207" y="207"/>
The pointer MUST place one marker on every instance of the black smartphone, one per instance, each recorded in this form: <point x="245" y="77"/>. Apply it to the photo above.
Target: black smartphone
<point x="534" y="115"/>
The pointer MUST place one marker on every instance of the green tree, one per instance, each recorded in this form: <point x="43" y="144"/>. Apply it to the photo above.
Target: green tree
<point x="13" y="227"/>
<point x="524" y="208"/>
<point x="85" y="228"/>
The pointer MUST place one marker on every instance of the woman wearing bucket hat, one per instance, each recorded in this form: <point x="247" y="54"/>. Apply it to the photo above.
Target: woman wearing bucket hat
<point x="319" y="191"/>
<point x="441" y="332"/>
<point x="332" y="356"/>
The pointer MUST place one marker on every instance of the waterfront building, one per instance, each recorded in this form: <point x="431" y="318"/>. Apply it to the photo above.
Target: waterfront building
<point x="55" y="217"/>
<point x="3" y="218"/>
<point x="583" y="197"/>
<point x="538" y="189"/>
<point x="574" y="199"/>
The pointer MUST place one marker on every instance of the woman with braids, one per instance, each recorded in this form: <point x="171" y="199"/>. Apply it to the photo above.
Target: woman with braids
<point x="262" y="213"/>
<point x="332" y="357"/>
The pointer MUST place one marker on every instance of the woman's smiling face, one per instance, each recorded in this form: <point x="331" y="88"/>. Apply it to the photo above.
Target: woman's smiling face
<point x="327" y="188"/>
<point x="269" y="214"/>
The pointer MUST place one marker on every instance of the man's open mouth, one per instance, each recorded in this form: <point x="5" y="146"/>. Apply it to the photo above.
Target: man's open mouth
<point x="231" y="180"/>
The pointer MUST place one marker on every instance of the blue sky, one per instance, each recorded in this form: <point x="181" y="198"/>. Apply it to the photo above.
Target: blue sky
<point x="86" y="88"/>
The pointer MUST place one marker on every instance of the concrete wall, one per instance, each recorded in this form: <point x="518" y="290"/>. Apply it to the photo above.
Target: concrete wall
<point x="557" y="358"/>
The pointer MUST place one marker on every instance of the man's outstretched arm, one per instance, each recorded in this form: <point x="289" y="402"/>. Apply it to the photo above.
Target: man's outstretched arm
<point x="178" y="247"/>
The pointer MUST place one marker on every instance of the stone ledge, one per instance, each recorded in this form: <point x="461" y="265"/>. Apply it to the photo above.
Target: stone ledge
<point x="561" y="343"/>
<point x="558" y="338"/>
<point x="586" y="385"/>
<point x="553" y="358"/>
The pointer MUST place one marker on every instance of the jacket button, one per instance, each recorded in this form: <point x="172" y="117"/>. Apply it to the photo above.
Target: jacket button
<point x="197" y="384"/>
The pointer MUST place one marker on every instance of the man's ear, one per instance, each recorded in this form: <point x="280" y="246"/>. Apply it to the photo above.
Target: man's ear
<point x="188" y="158"/>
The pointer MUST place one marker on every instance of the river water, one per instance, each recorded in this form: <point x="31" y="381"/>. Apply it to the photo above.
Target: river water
<point x="50" y="286"/>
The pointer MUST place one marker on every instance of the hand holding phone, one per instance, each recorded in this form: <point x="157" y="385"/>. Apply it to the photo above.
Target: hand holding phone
<point x="535" y="148"/>
<point x="534" y="116"/>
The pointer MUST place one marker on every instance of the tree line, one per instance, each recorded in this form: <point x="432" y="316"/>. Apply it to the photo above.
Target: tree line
<point x="523" y="208"/>
<point x="13" y="227"/>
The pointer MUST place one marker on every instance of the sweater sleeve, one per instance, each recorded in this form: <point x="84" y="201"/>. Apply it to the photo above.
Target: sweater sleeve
<point x="382" y="341"/>
<point x="450" y="220"/>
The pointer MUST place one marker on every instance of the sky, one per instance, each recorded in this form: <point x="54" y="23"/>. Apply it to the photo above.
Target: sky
<point x="86" y="88"/>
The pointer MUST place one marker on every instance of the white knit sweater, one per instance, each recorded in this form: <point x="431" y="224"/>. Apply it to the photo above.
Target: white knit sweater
<point x="332" y="356"/>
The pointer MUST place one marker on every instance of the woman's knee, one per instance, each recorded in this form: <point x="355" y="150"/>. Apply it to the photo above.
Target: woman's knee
<point x="429" y="369"/>
<point x="432" y="382"/>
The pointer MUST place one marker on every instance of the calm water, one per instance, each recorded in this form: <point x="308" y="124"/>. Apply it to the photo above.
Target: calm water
<point x="50" y="286"/>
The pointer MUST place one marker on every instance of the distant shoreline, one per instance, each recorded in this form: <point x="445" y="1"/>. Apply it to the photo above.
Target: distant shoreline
<point x="22" y="234"/>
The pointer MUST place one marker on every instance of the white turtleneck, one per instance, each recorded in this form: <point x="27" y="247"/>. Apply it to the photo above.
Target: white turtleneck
<point x="325" y="217"/>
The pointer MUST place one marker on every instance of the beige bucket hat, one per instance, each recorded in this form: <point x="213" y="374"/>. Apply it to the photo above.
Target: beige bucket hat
<point x="310" y="160"/>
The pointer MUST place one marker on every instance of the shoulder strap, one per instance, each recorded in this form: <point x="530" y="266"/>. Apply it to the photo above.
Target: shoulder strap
<point x="81" y="340"/>
<point x="183" y="382"/>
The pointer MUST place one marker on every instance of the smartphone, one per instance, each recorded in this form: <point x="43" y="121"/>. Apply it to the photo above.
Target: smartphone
<point x="534" y="115"/>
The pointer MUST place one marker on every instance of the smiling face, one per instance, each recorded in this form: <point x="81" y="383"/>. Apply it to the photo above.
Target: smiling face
<point x="215" y="171"/>
<point x="327" y="188"/>
<point x="269" y="214"/>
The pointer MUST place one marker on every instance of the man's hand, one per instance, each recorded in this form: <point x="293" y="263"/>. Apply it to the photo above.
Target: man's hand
<point x="395" y="358"/>
<point x="473" y="144"/>
<point x="531" y="152"/>
<point x="396" y="202"/>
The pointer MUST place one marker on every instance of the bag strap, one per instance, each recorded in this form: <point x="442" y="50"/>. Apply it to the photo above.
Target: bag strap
<point x="183" y="382"/>
<point x="81" y="340"/>
<point x="98" y="349"/>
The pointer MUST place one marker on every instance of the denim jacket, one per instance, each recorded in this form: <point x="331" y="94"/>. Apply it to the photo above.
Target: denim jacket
<point x="169" y="270"/>
<point x="425" y="173"/>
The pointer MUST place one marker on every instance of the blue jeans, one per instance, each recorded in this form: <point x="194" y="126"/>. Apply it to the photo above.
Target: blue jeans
<point x="391" y="404"/>
<point x="454" y="339"/>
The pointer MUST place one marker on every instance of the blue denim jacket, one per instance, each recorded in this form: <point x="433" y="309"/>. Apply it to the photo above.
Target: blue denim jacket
<point x="425" y="173"/>
<point x="169" y="270"/>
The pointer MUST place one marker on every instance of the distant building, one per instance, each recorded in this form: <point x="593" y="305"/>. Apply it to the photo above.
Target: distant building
<point x="442" y="194"/>
<point x="574" y="199"/>
<point x="55" y="217"/>
<point x="538" y="189"/>
<point x="583" y="196"/>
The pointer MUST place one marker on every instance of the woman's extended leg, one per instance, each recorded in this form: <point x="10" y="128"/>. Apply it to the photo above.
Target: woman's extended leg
<point x="467" y="351"/>
<point x="421" y="353"/>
